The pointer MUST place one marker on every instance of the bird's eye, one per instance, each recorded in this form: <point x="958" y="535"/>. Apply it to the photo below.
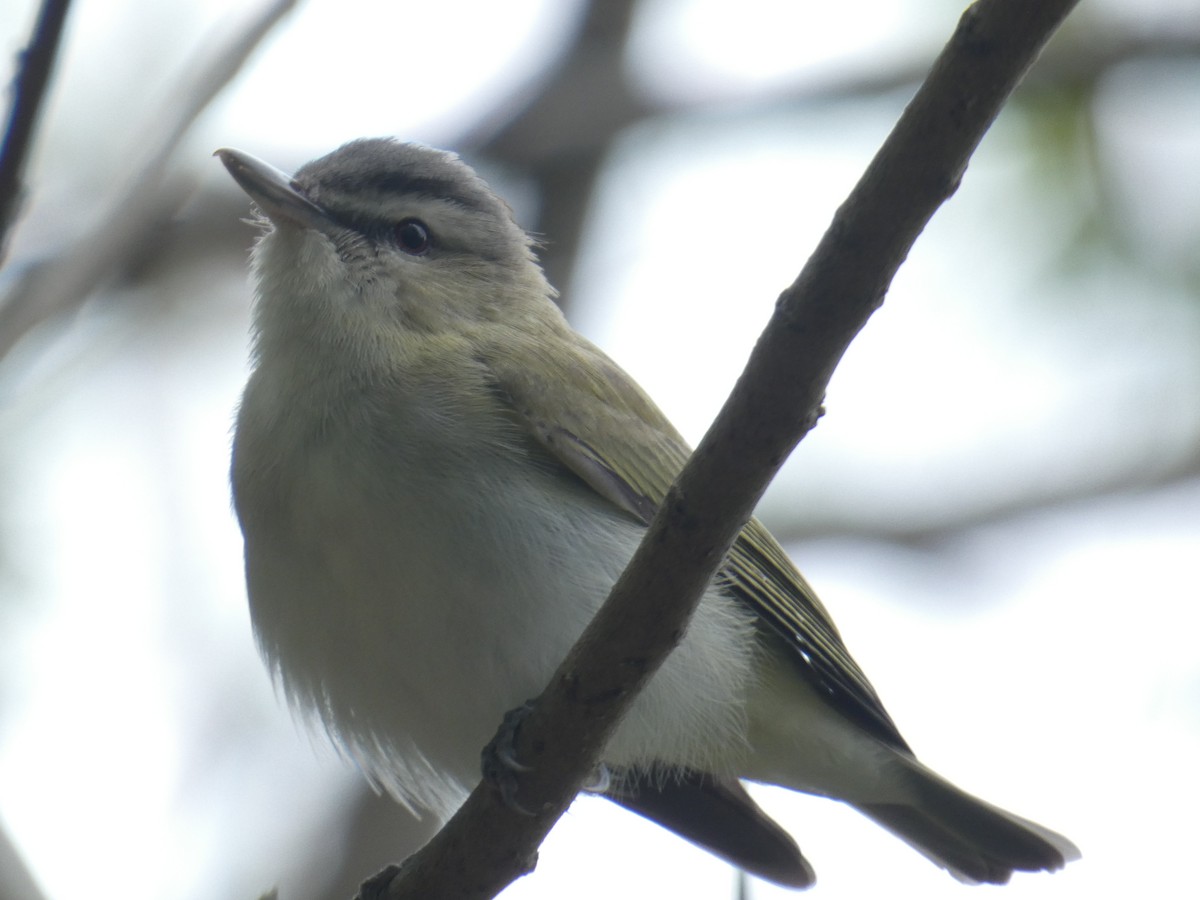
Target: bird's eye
<point x="412" y="235"/>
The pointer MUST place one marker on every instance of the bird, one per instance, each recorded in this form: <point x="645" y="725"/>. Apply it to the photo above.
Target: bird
<point x="438" y="481"/>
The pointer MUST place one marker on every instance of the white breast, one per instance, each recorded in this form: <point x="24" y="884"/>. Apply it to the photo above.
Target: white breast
<point x="414" y="581"/>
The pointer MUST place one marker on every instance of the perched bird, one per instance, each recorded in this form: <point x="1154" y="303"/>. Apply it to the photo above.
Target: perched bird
<point x="438" y="482"/>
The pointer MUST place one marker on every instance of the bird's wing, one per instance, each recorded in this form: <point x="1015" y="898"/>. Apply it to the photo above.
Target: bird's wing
<point x="576" y="405"/>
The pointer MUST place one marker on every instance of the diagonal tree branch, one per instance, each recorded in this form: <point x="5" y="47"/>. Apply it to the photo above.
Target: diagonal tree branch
<point x="29" y="86"/>
<point x="61" y="285"/>
<point x="775" y="403"/>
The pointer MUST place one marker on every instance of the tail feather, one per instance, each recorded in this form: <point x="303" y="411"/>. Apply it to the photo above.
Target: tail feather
<point x="717" y="814"/>
<point x="973" y="840"/>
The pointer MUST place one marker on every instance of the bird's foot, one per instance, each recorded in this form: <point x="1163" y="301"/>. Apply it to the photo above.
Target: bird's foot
<point x="501" y="768"/>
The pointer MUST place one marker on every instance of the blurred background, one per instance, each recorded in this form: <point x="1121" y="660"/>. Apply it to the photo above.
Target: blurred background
<point x="1001" y="507"/>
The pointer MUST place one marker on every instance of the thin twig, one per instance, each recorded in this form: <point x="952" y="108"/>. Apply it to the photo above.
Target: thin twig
<point x="29" y="87"/>
<point x="61" y="286"/>
<point x="486" y="845"/>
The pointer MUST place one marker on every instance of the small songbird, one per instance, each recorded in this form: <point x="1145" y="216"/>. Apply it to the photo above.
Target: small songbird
<point x="439" y="481"/>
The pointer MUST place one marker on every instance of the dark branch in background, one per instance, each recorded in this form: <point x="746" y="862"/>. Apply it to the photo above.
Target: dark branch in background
<point x="61" y="286"/>
<point x="559" y="130"/>
<point x="776" y="401"/>
<point x="561" y="136"/>
<point x="29" y="86"/>
<point x="15" y="877"/>
<point x="945" y="526"/>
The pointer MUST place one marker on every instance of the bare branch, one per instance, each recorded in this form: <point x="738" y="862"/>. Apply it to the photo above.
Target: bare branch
<point x="29" y="86"/>
<point x="777" y="400"/>
<point x="561" y="134"/>
<point x="559" y="129"/>
<point x="946" y="526"/>
<point x="62" y="285"/>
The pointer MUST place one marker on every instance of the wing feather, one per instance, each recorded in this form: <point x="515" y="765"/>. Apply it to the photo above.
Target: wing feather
<point x="587" y="414"/>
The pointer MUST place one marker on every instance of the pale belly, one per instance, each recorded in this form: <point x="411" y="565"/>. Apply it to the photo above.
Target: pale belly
<point x="411" y="618"/>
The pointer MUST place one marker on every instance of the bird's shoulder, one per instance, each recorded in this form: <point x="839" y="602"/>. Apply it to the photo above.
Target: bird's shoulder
<point x="591" y="417"/>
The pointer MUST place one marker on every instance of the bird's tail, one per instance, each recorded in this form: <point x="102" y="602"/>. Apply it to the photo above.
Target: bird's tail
<point x="717" y="814"/>
<point x="973" y="840"/>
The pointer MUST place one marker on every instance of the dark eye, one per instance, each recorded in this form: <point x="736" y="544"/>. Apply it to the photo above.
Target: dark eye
<point x="413" y="237"/>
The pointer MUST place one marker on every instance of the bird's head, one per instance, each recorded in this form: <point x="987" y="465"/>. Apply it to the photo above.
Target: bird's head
<point x="383" y="239"/>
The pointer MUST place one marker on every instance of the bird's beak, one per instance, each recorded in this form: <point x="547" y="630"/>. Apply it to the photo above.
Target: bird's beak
<point x="275" y="193"/>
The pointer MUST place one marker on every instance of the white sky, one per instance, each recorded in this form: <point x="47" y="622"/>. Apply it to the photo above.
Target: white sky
<point x="1046" y="664"/>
